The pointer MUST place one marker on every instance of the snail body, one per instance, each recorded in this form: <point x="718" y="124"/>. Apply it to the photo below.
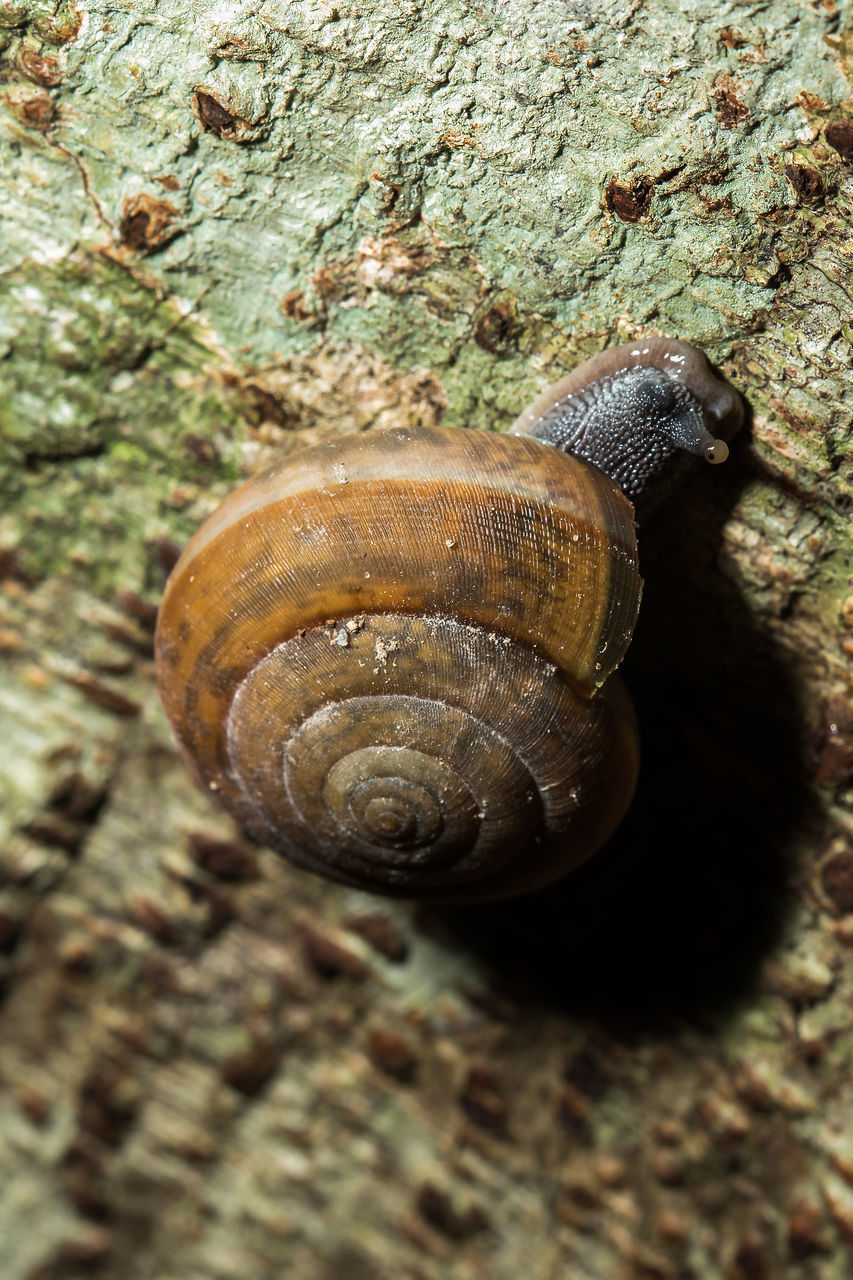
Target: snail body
<point x="391" y="657"/>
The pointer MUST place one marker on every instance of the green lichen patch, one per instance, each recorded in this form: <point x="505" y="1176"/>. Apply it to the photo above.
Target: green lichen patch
<point x="110" y="401"/>
<point x="91" y="356"/>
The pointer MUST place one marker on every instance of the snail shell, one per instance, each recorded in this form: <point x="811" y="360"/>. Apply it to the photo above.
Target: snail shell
<point x="389" y="657"/>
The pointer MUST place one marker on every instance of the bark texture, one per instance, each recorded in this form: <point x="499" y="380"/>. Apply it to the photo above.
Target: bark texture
<point x="227" y="230"/>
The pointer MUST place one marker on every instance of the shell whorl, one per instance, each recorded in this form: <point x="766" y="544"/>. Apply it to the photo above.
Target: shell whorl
<point x="385" y="656"/>
<point x="450" y="748"/>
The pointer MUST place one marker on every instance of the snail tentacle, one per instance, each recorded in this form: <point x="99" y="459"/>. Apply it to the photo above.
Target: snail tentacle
<point x="640" y="413"/>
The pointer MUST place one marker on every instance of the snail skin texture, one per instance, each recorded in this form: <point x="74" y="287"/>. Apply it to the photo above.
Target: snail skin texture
<point x="391" y="657"/>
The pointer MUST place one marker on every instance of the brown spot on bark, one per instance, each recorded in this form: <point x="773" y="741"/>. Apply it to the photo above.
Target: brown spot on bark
<point x="805" y="181"/>
<point x="381" y="932"/>
<point x="630" y="203"/>
<point x="152" y="919"/>
<point x="715" y="206"/>
<point x="482" y="1102"/>
<point x="728" y="107"/>
<point x="77" y="956"/>
<point x="35" y="1104"/>
<point x="56" y="832"/>
<point x="330" y="958"/>
<point x="228" y="860"/>
<point x="266" y="407"/>
<point x="293" y="306"/>
<point x="201" y="450"/>
<point x="219" y="910"/>
<point x="131" y="603"/>
<point x="435" y="1208"/>
<point x="137" y="641"/>
<point x="216" y="116"/>
<point x="36" y="112"/>
<point x="108" y="1103"/>
<point x="75" y="797"/>
<point x="11" y="569"/>
<point x="581" y="1196"/>
<point x="805" y="1238"/>
<point x="750" y="1262"/>
<point x="711" y="177"/>
<point x="41" y="68"/>
<point x="232" y="47"/>
<point x="334" y="282"/>
<point x="732" y="38"/>
<point x="668" y="1167"/>
<point x="497" y="329"/>
<point x="168" y="181"/>
<point x="167" y="554"/>
<point x="454" y="138"/>
<point x="83" y="1177"/>
<point x="392" y="1053"/>
<point x="146" y="223"/>
<point x="103" y="695"/>
<point x="839" y="135"/>
<point x="250" y="1070"/>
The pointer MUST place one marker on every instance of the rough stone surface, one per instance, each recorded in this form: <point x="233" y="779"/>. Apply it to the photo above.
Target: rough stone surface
<point x="230" y="229"/>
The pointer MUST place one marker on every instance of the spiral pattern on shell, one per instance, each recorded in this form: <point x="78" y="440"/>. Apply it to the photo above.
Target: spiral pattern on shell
<point x="389" y="657"/>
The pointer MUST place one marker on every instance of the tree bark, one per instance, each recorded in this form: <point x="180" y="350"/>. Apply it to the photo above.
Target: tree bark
<point x="231" y="230"/>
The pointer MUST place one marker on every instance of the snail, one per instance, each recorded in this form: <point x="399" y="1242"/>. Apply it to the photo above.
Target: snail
<point x="391" y="656"/>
